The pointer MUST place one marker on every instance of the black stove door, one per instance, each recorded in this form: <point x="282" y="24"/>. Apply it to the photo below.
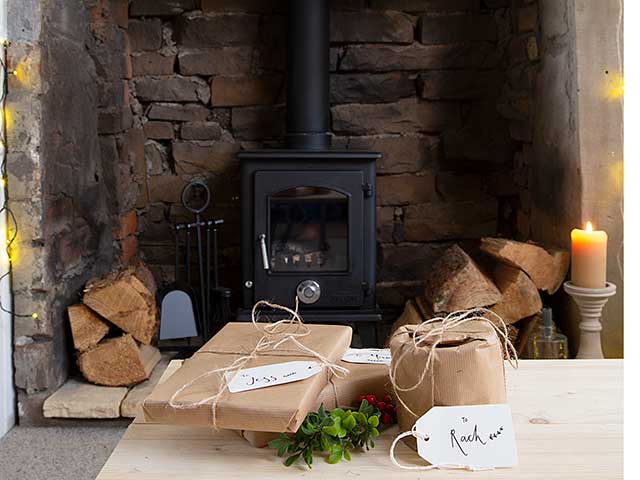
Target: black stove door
<point x="309" y="238"/>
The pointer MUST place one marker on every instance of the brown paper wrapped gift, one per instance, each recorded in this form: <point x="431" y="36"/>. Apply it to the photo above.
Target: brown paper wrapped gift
<point x="467" y="369"/>
<point x="278" y="408"/>
<point x="340" y="392"/>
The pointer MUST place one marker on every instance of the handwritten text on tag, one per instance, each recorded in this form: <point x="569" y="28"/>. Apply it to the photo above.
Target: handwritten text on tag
<point x="479" y="436"/>
<point x="378" y="356"/>
<point x="270" y="375"/>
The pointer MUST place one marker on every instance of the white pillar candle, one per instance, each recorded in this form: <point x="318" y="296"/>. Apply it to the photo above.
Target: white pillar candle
<point x="589" y="257"/>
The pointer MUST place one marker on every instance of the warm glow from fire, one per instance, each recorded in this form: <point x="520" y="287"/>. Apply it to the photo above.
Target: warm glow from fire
<point x="589" y="227"/>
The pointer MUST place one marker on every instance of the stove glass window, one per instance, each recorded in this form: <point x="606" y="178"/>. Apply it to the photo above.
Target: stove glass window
<point x="309" y="230"/>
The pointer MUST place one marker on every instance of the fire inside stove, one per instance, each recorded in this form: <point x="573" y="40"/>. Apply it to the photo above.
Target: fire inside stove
<point x="309" y="230"/>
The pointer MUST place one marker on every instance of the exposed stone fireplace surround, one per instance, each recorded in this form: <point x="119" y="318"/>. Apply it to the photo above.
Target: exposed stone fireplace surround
<point x="134" y="99"/>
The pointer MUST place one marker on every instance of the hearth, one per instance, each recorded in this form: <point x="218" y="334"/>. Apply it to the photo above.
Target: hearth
<point x="308" y="212"/>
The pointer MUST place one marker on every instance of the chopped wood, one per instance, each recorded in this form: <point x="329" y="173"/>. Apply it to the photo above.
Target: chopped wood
<point x="526" y="328"/>
<point x="425" y="312"/>
<point x="561" y="262"/>
<point x="118" y="362"/>
<point x="145" y="276"/>
<point x="547" y="270"/>
<point x="87" y="328"/>
<point x="410" y="316"/>
<point x="457" y="283"/>
<point x="520" y="297"/>
<point x="124" y="300"/>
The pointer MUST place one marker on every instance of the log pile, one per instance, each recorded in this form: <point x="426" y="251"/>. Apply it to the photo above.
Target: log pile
<point x="508" y="283"/>
<point x="114" y="326"/>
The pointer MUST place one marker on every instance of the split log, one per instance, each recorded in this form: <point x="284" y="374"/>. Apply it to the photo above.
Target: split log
<point x="411" y="315"/>
<point x="118" y="362"/>
<point x="425" y="312"/>
<point x="457" y="283"/>
<point x="547" y="270"/>
<point x="145" y="276"/>
<point x="561" y="262"/>
<point x="527" y="327"/>
<point x="520" y="297"/>
<point x="126" y="302"/>
<point x="87" y="328"/>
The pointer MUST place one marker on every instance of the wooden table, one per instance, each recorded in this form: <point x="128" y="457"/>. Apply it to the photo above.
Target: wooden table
<point x="567" y="415"/>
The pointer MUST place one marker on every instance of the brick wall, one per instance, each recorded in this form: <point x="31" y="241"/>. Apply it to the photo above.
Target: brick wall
<point x="423" y="81"/>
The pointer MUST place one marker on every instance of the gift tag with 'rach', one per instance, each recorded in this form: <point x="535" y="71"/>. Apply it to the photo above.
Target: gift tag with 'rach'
<point x="270" y="375"/>
<point x="477" y="437"/>
<point x="376" y="356"/>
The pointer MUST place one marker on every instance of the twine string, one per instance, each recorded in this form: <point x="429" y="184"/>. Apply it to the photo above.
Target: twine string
<point x="418" y="435"/>
<point x="274" y="335"/>
<point x="427" y="334"/>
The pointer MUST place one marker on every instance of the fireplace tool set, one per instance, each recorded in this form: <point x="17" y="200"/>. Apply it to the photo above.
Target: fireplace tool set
<point x="195" y="305"/>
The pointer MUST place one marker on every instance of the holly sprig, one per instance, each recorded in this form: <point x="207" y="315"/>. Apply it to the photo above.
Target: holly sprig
<point x="334" y="433"/>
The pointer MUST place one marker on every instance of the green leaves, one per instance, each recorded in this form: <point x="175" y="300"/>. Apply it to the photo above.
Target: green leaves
<point x="333" y="433"/>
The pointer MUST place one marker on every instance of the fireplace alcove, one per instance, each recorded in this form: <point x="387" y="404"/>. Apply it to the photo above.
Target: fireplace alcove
<point x="466" y="101"/>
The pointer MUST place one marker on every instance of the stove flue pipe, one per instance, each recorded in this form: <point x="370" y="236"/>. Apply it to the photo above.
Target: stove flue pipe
<point x="308" y="75"/>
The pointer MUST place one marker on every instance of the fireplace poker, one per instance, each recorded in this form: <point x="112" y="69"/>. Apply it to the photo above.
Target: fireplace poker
<point x="197" y="210"/>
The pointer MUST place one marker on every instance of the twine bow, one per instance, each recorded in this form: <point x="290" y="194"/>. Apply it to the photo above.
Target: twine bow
<point x="426" y="334"/>
<point x="274" y="335"/>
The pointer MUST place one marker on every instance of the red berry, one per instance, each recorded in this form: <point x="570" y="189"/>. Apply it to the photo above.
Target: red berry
<point x="386" y="419"/>
<point x="360" y="398"/>
<point x="371" y="399"/>
<point x="381" y="406"/>
<point x="390" y="409"/>
<point x="387" y="399"/>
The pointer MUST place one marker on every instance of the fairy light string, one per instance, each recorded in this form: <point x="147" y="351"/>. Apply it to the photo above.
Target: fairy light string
<point x="10" y="219"/>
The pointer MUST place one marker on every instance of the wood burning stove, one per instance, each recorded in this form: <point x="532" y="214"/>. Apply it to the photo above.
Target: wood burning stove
<point x="308" y="212"/>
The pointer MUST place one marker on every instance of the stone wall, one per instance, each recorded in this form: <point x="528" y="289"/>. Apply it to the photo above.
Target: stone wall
<point x="564" y="102"/>
<point x="576" y="163"/>
<point x="419" y="80"/>
<point x="62" y="180"/>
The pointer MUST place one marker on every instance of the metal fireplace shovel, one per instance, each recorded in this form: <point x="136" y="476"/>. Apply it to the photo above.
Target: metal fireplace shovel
<point x="177" y="312"/>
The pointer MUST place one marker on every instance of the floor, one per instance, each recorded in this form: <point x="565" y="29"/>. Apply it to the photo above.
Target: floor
<point x="56" y="453"/>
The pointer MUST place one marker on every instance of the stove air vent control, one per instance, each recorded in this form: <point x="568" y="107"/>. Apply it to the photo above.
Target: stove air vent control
<point x="308" y="291"/>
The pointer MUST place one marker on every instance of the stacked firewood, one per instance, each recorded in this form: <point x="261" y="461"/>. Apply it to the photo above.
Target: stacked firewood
<point x="114" y="326"/>
<point x="506" y="278"/>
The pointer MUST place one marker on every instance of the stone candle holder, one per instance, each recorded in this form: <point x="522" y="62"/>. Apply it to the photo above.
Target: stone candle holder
<point x="590" y="302"/>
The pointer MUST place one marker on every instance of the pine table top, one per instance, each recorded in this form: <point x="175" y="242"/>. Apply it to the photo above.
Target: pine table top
<point x="568" y="418"/>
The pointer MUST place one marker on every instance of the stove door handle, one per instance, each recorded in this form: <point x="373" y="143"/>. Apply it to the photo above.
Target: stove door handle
<point x="263" y="251"/>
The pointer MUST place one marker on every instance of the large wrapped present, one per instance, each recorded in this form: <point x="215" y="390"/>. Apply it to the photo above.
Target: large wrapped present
<point x="187" y="397"/>
<point x="339" y="392"/>
<point x="466" y="368"/>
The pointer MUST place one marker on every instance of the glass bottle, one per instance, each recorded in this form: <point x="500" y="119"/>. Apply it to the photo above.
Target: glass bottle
<point x="547" y="342"/>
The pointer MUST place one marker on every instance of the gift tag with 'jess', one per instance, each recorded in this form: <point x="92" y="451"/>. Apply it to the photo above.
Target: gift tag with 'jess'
<point x="375" y="356"/>
<point x="270" y="375"/>
<point x="477" y="437"/>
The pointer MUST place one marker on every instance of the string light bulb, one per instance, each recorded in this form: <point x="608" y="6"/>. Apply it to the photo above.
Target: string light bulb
<point x="7" y="253"/>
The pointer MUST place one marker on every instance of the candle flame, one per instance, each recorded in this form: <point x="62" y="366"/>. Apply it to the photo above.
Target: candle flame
<point x="589" y="227"/>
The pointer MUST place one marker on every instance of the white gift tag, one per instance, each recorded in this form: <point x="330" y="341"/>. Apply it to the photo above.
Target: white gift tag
<point x="377" y="356"/>
<point x="270" y="375"/>
<point x="479" y="437"/>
